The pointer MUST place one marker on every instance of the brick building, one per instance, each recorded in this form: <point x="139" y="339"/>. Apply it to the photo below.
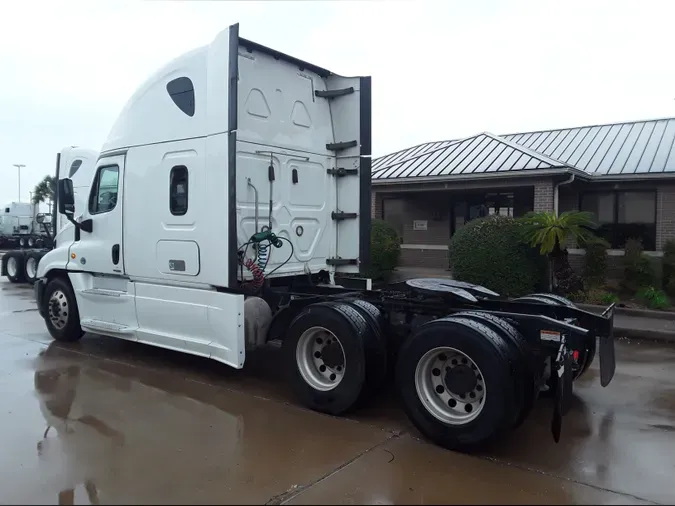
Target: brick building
<point x="623" y="173"/>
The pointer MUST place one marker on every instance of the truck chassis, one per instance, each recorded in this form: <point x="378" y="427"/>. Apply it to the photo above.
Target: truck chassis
<point x="468" y="364"/>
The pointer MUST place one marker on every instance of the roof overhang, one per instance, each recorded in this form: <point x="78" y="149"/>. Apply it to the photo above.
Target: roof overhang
<point x="531" y="173"/>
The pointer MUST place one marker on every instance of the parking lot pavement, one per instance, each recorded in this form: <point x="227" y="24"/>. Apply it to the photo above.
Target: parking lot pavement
<point x="118" y="422"/>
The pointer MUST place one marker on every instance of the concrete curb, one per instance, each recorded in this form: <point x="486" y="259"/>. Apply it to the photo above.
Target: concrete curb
<point x="659" y="336"/>
<point x="625" y="311"/>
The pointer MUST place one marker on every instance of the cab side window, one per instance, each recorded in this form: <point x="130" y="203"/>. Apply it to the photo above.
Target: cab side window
<point x="103" y="196"/>
<point x="178" y="190"/>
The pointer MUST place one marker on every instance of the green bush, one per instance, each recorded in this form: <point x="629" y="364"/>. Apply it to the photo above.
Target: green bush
<point x="599" y="296"/>
<point x="595" y="266"/>
<point x="490" y="252"/>
<point x="385" y="250"/>
<point x="638" y="271"/>
<point x="653" y="298"/>
<point x="669" y="267"/>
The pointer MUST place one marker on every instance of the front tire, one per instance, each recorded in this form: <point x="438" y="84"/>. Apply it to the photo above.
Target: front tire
<point x="61" y="314"/>
<point x="456" y="383"/>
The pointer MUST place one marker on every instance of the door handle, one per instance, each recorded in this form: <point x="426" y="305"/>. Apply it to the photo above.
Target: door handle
<point x="116" y="254"/>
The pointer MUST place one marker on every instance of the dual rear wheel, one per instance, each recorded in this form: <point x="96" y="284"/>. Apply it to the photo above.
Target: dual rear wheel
<point x="464" y="379"/>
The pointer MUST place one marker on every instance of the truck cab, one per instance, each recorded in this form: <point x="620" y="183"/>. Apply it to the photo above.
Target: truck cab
<point x="232" y="164"/>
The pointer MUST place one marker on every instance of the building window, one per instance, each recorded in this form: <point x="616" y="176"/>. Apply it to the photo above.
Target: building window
<point x="623" y="215"/>
<point x="182" y="93"/>
<point x="104" y="192"/>
<point x="178" y="190"/>
<point x="74" y="167"/>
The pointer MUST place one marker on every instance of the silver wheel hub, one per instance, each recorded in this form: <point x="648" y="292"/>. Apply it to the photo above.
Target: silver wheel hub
<point x="31" y="268"/>
<point x="320" y="358"/>
<point x="58" y="309"/>
<point x="450" y="385"/>
<point x="12" y="267"/>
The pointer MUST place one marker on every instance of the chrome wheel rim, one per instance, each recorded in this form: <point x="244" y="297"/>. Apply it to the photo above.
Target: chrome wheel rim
<point x="58" y="309"/>
<point x="31" y="268"/>
<point x="12" y="267"/>
<point x="450" y="385"/>
<point x="320" y="358"/>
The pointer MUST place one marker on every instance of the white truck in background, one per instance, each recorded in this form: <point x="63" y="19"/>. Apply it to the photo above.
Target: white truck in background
<point x="228" y="206"/>
<point x="21" y="265"/>
<point x="22" y="225"/>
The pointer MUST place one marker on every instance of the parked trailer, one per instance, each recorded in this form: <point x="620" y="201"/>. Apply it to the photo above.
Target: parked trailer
<point x="226" y="210"/>
<point x="20" y="266"/>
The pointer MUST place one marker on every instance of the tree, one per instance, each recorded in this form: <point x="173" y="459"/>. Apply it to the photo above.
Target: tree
<point x="44" y="191"/>
<point x="551" y="234"/>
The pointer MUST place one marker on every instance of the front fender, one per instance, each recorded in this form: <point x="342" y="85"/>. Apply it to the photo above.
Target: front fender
<point x="52" y="260"/>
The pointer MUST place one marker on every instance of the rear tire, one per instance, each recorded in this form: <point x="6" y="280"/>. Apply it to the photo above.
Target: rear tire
<point x="375" y="348"/>
<point x="527" y="388"/>
<point x="30" y="266"/>
<point x="325" y="355"/>
<point x="61" y="314"/>
<point x="434" y="401"/>
<point x="15" y="267"/>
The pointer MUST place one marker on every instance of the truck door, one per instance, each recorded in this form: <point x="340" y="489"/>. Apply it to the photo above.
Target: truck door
<point x="100" y="251"/>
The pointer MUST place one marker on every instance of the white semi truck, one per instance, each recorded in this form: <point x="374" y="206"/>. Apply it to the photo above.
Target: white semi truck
<point x="22" y="225"/>
<point x="72" y="162"/>
<point x="230" y="196"/>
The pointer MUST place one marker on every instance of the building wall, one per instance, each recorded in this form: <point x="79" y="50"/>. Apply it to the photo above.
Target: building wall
<point x="428" y="248"/>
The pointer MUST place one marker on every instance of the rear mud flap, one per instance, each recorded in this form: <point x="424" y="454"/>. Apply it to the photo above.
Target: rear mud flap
<point x="563" y="395"/>
<point x="607" y="358"/>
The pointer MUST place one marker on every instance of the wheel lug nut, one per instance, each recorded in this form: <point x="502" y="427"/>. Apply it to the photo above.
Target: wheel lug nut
<point x="436" y="372"/>
<point x="317" y="354"/>
<point x="322" y="368"/>
<point x="440" y="389"/>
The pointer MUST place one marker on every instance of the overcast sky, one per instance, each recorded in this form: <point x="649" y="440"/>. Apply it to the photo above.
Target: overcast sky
<point x="440" y="70"/>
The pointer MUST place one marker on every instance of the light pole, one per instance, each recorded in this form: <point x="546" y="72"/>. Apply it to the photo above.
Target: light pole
<point x="18" y="170"/>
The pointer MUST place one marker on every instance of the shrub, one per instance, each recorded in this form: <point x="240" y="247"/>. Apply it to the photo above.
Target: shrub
<point x="599" y="296"/>
<point x="638" y="271"/>
<point x="669" y="267"/>
<point x="653" y="298"/>
<point x="490" y="252"/>
<point x="385" y="250"/>
<point x="595" y="266"/>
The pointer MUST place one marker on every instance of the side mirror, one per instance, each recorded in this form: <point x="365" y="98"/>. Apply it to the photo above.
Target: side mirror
<point x="66" y="197"/>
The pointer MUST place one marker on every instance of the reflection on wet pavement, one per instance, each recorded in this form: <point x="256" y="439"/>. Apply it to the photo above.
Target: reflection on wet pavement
<point x="109" y="421"/>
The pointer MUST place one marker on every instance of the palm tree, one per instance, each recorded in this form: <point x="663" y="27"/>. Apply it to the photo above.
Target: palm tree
<point x="551" y="234"/>
<point x="44" y="191"/>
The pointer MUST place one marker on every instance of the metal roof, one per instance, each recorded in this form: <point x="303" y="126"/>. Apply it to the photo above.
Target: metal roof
<point x="638" y="147"/>
<point x="620" y="148"/>
<point x="481" y="153"/>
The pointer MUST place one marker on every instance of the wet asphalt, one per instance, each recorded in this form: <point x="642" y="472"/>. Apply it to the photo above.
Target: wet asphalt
<point x="110" y="421"/>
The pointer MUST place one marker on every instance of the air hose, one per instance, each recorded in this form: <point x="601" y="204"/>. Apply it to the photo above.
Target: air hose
<point x="263" y="241"/>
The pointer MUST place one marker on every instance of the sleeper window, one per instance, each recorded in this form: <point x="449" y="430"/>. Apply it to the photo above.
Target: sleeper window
<point x="178" y="190"/>
<point x="104" y="194"/>
<point x="73" y="168"/>
<point x="182" y="93"/>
